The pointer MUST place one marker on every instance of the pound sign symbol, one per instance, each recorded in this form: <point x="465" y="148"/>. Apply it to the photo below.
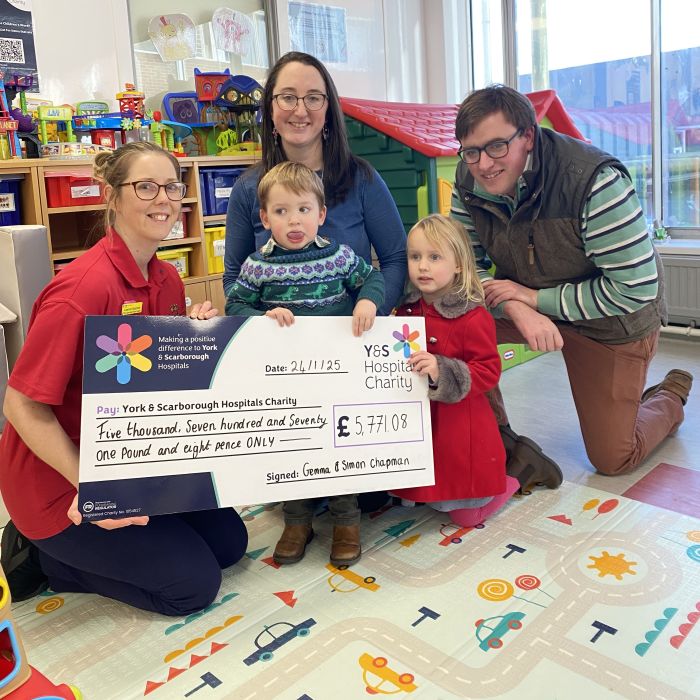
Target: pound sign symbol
<point x="342" y="426"/>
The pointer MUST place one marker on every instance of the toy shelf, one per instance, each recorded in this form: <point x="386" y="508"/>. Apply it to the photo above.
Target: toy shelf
<point x="72" y="230"/>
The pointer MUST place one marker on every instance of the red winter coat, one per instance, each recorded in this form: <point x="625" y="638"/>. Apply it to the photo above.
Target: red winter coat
<point x="467" y="446"/>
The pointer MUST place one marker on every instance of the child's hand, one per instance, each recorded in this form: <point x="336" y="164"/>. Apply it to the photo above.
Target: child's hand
<point x="424" y="363"/>
<point x="363" y="316"/>
<point x="284" y="317"/>
<point x="203" y="311"/>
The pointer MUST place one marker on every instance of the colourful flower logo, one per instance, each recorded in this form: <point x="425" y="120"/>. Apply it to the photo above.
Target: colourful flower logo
<point x="123" y="353"/>
<point x="406" y="338"/>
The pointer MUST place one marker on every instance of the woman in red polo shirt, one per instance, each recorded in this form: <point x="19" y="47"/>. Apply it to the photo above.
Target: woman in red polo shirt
<point x="170" y="564"/>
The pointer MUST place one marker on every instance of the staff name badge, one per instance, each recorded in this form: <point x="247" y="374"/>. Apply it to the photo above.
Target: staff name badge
<point x="182" y="415"/>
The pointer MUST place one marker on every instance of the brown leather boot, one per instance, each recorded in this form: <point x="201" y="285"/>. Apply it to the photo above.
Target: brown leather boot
<point x="530" y="466"/>
<point x="346" y="545"/>
<point x="677" y="381"/>
<point x="292" y="545"/>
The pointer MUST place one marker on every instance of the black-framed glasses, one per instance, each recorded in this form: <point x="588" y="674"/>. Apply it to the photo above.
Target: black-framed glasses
<point x="147" y="189"/>
<point x="288" y="102"/>
<point x="495" y="149"/>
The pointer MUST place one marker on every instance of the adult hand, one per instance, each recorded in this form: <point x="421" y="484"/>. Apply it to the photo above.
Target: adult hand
<point x="423" y="362"/>
<point x="540" y="332"/>
<point x="75" y="516"/>
<point x="363" y="316"/>
<point x="498" y="291"/>
<point x="203" y="311"/>
<point x="284" y="317"/>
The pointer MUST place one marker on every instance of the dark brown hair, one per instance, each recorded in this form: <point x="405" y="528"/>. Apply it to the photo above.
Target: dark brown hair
<point x="339" y="164"/>
<point x="516" y="109"/>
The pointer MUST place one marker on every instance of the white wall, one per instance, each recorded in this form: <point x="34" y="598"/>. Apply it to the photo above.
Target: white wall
<point x="83" y="49"/>
<point x="399" y="48"/>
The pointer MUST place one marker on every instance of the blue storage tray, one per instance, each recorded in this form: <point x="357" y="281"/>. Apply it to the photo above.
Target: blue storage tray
<point x="216" y="184"/>
<point x="10" y="206"/>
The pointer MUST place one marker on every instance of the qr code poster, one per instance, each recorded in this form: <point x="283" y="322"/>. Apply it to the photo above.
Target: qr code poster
<point x="17" y="53"/>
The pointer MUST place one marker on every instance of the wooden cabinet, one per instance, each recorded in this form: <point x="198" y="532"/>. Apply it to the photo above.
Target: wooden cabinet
<point x="73" y="229"/>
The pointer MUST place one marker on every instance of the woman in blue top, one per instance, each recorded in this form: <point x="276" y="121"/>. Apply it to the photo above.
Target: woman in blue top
<point x="302" y="121"/>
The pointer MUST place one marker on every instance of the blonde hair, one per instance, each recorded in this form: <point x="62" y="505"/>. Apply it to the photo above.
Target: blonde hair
<point x="113" y="169"/>
<point x="296" y="178"/>
<point x="448" y="235"/>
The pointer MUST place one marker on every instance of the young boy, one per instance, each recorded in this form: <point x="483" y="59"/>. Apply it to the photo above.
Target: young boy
<point x="299" y="272"/>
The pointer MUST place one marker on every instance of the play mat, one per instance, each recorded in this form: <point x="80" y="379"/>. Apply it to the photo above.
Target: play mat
<point x="574" y="593"/>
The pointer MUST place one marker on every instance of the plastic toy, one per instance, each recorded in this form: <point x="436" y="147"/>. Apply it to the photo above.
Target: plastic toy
<point x="18" y="680"/>
<point x="61" y="114"/>
<point x="208" y="85"/>
<point x="131" y="101"/>
<point x="222" y="113"/>
<point x="240" y="98"/>
<point x="8" y="127"/>
<point x="169" y="135"/>
<point x="9" y="143"/>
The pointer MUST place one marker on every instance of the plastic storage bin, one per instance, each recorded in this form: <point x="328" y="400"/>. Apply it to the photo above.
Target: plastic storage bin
<point x="179" y="258"/>
<point x="72" y="189"/>
<point x="10" y="209"/>
<point x="215" y="239"/>
<point x="216" y="184"/>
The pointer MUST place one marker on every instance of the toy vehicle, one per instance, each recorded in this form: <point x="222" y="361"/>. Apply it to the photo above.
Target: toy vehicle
<point x="455" y="537"/>
<point x="264" y="652"/>
<point x="378" y="666"/>
<point x="490" y="635"/>
<point x="349" y="580"/>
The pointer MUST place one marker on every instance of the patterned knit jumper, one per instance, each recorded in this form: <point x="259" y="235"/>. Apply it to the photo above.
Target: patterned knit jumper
<point x="314" y="281"/>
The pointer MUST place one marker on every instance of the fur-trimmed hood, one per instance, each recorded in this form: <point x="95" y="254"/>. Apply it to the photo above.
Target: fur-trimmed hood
<point x="448" y="306"/>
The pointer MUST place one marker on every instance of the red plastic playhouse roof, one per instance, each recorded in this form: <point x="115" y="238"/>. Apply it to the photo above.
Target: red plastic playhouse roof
<point x="430" y="129"/>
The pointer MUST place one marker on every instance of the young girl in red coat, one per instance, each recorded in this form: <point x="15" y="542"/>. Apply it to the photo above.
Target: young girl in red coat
<point x="462" y="364"/>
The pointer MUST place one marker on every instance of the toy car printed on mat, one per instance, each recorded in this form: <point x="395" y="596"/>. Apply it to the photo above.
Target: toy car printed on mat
<point x="389" y="682"/>
<point x="453" y="533"/>
<point x="343" y="580"/>
<point x="264" y="651"/>
<point x="490" y="631"/>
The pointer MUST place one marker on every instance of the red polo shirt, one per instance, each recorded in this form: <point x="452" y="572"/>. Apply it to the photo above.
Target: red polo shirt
<point x="50" y="367"/>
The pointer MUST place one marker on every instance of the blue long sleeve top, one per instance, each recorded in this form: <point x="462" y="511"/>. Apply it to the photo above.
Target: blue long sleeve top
<point x="367" y="218"/>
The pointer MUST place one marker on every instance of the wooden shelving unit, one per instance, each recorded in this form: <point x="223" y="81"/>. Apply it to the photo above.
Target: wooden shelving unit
<point x="71" y="230"/>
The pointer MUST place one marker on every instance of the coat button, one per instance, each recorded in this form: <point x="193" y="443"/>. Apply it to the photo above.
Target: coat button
<point x="432" y="339"/>
<point x="409" y="310"/>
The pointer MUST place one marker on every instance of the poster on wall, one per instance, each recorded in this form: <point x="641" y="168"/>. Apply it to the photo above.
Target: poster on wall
<point x="319" y="30"/>
<point x="17" y="53"/>
<point x="173" y="36"/>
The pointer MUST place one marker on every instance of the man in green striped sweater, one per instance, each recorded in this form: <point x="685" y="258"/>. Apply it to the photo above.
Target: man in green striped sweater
<point x="575" y="270"/>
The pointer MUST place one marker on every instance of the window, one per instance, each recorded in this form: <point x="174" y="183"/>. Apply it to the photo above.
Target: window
<point x="599" y="58"/>
<point x="602" y="75"/>
<point x="487" y="42"/>
<point x="154" y="76"/>
<point x="680" y="113"/>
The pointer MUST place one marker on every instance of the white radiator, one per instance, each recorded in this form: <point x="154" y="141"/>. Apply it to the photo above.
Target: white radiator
<point x="681" y="260"/>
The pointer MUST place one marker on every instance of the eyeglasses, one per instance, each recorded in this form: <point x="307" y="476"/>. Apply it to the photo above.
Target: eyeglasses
<point x="288" y="102"/>
<point x="147" y="189"/>
<point x="495" y="150"/>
